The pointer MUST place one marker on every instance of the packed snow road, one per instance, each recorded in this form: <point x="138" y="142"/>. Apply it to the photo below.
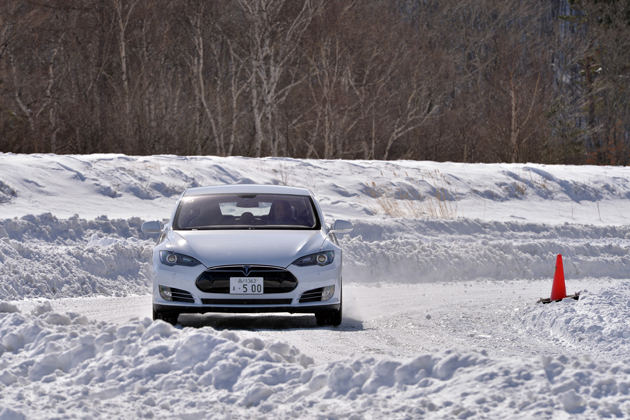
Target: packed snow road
<point x="398" y="320"/>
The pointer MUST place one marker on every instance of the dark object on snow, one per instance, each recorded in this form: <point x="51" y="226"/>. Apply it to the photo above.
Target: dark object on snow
<point x="548" y="300"/>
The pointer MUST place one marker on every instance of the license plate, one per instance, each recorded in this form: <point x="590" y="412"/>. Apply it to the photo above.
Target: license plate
<point x="246" y="285"/>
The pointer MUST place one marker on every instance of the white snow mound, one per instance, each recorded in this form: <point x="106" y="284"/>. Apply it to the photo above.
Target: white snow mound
<point x="46" y="257"/>
<point x="52" y="363"/>
<point x="597" y="323"/>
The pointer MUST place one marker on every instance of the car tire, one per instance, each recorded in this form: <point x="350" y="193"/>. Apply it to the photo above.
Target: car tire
<point x="330" y="318"/>
<point x="169" y="317"/>
<point x="322" y="318"/>
<point x="336" y="317"/>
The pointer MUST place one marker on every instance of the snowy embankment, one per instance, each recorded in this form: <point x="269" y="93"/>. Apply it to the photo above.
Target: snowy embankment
<point x="413" y="251"/>
<point x="55" y="364"/>
<point x="70" y="228"/>
<point x="122" y="186"/>
<point x="597" y="324"/>
<point x="43" y="256"/>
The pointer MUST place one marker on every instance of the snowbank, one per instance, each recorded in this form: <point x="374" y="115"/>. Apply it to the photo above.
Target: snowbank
<point x="147" y="186"/>
<point x="415" y="251"/>
<point x="56" y="363"/>
<point x="47" y="257"/>
<point x="43" y="256"/>
<point x="597" y="324"/>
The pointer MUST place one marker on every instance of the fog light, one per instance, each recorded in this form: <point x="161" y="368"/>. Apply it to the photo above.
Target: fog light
<point x="327" y="293"/>
<point x="166" y="294"/>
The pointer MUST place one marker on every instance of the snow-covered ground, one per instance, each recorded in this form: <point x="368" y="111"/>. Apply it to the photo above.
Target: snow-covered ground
<point x="440" y="319"/>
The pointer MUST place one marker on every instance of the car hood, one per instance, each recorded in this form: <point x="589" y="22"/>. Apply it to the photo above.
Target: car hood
<point x="252" y="247"/>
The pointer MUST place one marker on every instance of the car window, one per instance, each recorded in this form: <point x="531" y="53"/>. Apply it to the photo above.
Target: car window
<point x="246" y="211"/>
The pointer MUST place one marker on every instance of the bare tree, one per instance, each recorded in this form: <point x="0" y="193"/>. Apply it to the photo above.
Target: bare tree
<point x="605" y="79"/>
<point x="273" y="33"/>
<point x="332" y="110"/>
<point x="123" y="11"/>
<point x="518" y="102"/>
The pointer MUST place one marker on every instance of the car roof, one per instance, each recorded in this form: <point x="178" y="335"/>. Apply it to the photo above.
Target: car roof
<point x="247" y="189"/>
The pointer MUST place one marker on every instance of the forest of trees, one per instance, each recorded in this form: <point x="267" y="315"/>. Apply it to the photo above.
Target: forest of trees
<point x="448" y="80"/>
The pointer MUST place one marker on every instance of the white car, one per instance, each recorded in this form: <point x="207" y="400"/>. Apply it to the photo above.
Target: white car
<point x="247" y="248"/>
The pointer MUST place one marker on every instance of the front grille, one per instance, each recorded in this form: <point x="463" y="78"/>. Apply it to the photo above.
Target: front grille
<point x="246" y="301"/>
<point x="217" y="280"/>
<point x="314" y="295"/>
<point x="181" y="296"/>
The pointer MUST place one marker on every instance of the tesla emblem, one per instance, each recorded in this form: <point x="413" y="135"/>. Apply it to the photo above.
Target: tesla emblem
<point x="246" y="269"/>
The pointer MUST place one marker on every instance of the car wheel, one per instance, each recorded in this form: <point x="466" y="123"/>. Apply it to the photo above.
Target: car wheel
<point x="335" y="319"/>
<point x="332" y="318"/>
<point x="170" y="317"/>
<point x="322" y="318"/>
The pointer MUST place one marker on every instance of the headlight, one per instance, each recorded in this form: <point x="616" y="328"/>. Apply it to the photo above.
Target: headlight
<point x="171" y="258"/>
<point x="321" y="259"/>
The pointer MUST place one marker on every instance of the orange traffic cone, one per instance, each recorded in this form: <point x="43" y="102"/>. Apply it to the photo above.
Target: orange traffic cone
<point x="558" y="289"/>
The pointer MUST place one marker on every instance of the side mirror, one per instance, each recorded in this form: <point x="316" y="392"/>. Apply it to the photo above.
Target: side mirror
<point x="342" y="226"/>
<point x="152" y="227"/>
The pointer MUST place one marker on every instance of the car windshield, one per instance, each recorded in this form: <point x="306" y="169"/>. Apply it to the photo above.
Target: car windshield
<point x="246" y="211"/>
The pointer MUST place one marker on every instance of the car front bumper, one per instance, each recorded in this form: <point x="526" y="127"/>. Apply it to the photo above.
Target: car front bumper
<point x="190" y="299"/>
